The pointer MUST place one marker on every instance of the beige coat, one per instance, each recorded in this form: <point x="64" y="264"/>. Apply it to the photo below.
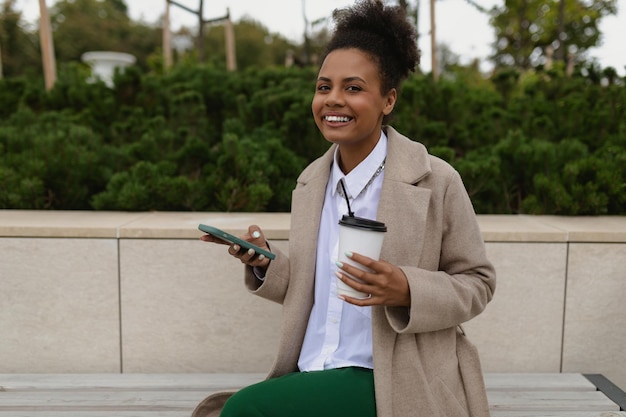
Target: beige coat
<point x="423" y="364"/>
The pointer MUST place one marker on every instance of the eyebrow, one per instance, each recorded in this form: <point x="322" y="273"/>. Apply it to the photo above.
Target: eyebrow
<point x="347" y="79"/>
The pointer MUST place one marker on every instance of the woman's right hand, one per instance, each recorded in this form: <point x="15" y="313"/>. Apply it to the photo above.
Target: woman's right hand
<point x="249" y="257"/>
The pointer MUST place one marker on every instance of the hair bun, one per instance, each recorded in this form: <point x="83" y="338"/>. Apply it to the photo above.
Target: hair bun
<point x="381" y="30"/>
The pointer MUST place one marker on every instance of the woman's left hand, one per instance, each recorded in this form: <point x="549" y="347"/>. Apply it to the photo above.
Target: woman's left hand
<point x="387" y="284"/>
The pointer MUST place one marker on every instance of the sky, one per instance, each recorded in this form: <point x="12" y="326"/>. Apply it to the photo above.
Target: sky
<point x="465" y="30"/>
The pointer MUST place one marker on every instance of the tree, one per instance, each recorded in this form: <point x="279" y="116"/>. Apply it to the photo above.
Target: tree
<point x="87" y="25"/>
<point x="19" y="48"/>
<point x="525" y="29"/>
<point x="255" y="45"/>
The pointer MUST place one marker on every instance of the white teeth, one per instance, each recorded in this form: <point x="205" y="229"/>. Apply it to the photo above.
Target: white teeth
<point x="337" y="119"/>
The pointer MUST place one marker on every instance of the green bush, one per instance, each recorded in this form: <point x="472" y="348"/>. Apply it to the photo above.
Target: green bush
<point x="203" y="138"/>
<point x="49" y="162"/>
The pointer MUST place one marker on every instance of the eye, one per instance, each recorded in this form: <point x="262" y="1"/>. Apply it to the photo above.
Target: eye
<point x="322" y="87"/>
<point x="353" y="88"/>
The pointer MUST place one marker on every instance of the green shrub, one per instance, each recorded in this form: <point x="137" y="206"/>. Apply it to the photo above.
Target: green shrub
<point x="203" y="138"/>
<point x="49" y="162"/>
<point x="146" y="186"/>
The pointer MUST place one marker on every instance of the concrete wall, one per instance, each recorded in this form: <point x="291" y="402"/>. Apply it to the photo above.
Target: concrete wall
<point x="138" y="292"/>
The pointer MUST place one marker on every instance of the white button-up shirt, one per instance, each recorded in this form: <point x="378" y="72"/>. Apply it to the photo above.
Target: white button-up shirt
<point x="339" y="334"/>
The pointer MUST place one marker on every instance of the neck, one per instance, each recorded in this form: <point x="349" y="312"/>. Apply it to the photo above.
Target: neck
<point x="347" y="164"/>
<point x="349" y="157"/>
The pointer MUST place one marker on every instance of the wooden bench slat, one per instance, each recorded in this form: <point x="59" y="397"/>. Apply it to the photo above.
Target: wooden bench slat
<point x="176" y="395"/>
<point x="550" y="400"/>
<point x="213" y="382"/>
<point x="552" y="414"/>
<point x="118" y="413"/>
<point x="493" y="381"/>
<point x="537" y="382"/>
<point x="106" y="400"/>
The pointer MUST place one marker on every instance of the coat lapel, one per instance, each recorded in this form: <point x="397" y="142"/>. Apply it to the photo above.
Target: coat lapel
<point x="307" y="202"/>
<point x="403" y="206"/>
<point x="306" y="210"/>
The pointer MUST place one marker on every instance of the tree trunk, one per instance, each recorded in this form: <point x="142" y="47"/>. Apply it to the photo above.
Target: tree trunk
<point x="231" y="55"/>
<point x="433" y="42"/>
<point x="167" y="38"/>
<point x="47" y="46"/>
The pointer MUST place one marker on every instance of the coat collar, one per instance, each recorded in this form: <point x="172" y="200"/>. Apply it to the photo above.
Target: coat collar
<point x="403" y="206"/>
<point x="407" y="161"/>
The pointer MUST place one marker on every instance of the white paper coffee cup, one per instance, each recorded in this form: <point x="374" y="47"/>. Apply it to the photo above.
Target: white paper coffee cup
<point x="363" y="236"/>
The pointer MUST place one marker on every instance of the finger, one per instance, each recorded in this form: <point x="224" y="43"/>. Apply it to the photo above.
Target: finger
<point x="234" y="250"/>
<point x="367" y="301"/>
<point x="257" y="237"/>
<point x="355" y="272"/>
<point x="362" y="259"/>
<point x="361" y="302"/>
<point x="253" y="259"/>
<point x="208" y="238"/>
<point x="354" y="283"/>
<point x="248" y="256"/>
<point x="348" y="280"/>
<point x="255" y="233"/>
<point x="262" y="261"/>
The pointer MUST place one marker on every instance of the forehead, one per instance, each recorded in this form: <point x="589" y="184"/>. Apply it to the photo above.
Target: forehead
<point x="346" y="63"/>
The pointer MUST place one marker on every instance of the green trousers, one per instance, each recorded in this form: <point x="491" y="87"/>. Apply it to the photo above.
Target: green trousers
<point x="340" y="392"/>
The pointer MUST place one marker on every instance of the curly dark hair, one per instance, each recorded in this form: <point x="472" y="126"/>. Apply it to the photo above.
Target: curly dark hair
<point x="381" y="31"/>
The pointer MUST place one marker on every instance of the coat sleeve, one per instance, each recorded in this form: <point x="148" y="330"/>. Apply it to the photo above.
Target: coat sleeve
<point x="465" y="280"/>
<point x="274" y="286"/>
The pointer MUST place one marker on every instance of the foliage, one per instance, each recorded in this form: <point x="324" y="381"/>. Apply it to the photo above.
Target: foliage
<point x="188" y="140"/>
<point x="255" y="46"/>
<point x="20" y="54"/>
<point x="525" y="29"/>
<point x="202" y="138"/>
<point x="48" y="162"/>
<point x="198" y="137"/>
<point x="92" y="25"/>
<point x="531" y="142"/>
<point x="78" y="26"/>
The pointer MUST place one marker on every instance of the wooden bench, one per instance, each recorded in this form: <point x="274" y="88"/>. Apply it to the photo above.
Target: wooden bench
<point x="175" y="395"/>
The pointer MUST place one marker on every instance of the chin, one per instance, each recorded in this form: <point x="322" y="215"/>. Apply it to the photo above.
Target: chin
<point x="333" y="139"/>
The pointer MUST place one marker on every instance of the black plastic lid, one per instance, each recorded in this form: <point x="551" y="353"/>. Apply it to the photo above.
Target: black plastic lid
<point x="362" y="223"/>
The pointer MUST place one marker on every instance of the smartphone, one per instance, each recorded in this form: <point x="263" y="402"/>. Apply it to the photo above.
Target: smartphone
<point x="227" y="237"/>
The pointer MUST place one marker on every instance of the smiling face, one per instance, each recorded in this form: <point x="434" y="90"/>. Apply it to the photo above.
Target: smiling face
<point x="348" y="105"/>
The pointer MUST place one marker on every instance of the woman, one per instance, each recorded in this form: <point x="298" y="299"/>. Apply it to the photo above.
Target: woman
<point x="400" y="352"/>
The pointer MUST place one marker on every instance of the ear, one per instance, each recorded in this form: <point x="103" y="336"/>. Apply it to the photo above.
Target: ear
<point x="390" y="102"/>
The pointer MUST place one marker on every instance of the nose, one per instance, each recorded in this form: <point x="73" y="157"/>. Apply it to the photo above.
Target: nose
<point x="334" y="98"/>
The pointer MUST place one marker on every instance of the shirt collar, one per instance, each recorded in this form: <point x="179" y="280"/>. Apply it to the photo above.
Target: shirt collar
<point x="359" y="177"/>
